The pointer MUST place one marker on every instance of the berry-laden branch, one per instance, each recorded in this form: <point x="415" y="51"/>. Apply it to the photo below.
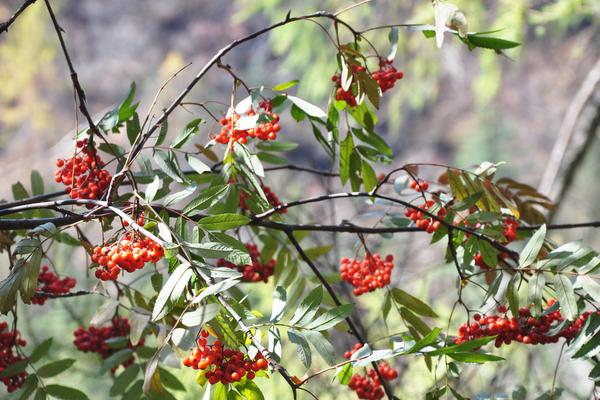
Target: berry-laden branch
<point x="353" y="328"/>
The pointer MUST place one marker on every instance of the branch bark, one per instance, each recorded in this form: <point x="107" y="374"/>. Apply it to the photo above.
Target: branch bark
<point x="5" y="25"/>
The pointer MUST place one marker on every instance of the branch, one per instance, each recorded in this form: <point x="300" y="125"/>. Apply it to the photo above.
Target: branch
<point x="353" y="329"/>
<point x="4" y="25"/>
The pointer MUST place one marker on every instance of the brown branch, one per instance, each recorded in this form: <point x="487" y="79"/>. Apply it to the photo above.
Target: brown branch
<point x="5" y="25"/>
<point x="353" y="328"/>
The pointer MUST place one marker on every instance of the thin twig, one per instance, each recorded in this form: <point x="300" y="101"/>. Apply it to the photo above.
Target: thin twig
<point x="4" y="25"/>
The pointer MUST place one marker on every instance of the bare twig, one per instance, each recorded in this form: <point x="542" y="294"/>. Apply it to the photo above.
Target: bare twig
<point x="5" y="25"/>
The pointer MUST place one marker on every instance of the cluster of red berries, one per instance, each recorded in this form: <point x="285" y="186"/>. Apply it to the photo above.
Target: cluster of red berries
<point x="82" y="174"/>
<point x="419" y="186"/>
<point x="49" y="282"/>
<point x="387" y="75"/>
<point x="129" y="253"/>
<point x="221" y="364"/>
<point x="510" y="234"/>
<point x="263" y="131"/>
<point x="369" y="386"/>
<point x="423" y="221"/>
<point x="8" y="356"/>
<point x="254" y="272"/>
<point x="368" y="274"/>
<point x="272" y="198"/>
<point x="524" y="329"/>
<point x="386" y="78"/>
<point x="94" y="339"/>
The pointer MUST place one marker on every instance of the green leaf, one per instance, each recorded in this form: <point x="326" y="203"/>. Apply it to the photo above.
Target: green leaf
<point x="190" y="130"/>
<point x="207" y="198"/>
<point x="223" y="222"/>
<point x="277" y="146"/>
<point x="536" y="289"/>
<point x="493" y="43"/>
<point x="162" y="134"/>
<point x="14" y="369"/>
<point x="19" y="192"/>
<point x="512" y="294"/>
<point x="315" y="252"/>
<point x="170" y="381"/>
<point x="66" y="393"/>
<point x="322" y="345"/>
<point x="178" y="196"/>
<point x="40" y="351"/>
<point x="201" y="315"/>
<point x="286" y="85"/>
<point x="308" y="308"/>
<point x="125" y="378"/>
<point x="590" y="286"/>
<point x="271" y="158"/>
<point x="532" y="248"/>
<point x="279" y="303"/>
<point x="345" y="374"/>
<point x="31" y="273"/>
<point x="330" y="318"/>
<point x="308" y="108"/>
<point x="133" y="128"/>
<point x="55" y="368"/>
<point x="37" y="183"/>
<point x="368" y="176"/>
<point x="478" y="358"/>
<point x="346" y="147"/>
<point x="115" y="359"/>
<point x="413" y="320"/>
<point x="197" y="165"/>
<point x="566" y="296"/>
<point x="152" y="189"/>
<point x="412" y="303"/>
<point x="302" y="347"/>
<point x="167" y="165"/>
<point x="182" y="274"/>
<point x="426" y="341"/>
<point x="587" y="342"/>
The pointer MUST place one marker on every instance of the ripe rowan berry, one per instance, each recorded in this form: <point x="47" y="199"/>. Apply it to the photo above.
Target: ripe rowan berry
<point x="49" y="282"/>
<point x="368" y="274"/>
<point x="9" y="356"/>
<point x="254" y="272"/>
<point x="82" y="174"/>
<point x="263" y="131"/>
<point x="129" y="253"/>
<point x="222" y="364"/>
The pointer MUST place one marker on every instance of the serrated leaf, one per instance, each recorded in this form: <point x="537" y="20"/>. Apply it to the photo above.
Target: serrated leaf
<point x="308" y="308"/>
<point x="125" y="378"/>
<point x="207" y="198"/>
<point x="307" y="107"/>
<point x="536" y="289"/>
<point x="55" y="368"/>
<point x="279" y="303"/>
<point x="178" y="196"/>
<point x="412" y="303"/>
<point x="223" y="222"/>
<point x="322" y="345"/>
<point x="532" y="248"/>
<point x="330" y="318"/>
<point x="302" y="347"/>
<point x="182" y="273"/>
<point x="590" y="286"/>
<point x="65" y="393"/>
<point x="190" y="130"/>
<point x="201" y="315"/>
<point x="566" y="296"/>
<point x="167" y="165"/>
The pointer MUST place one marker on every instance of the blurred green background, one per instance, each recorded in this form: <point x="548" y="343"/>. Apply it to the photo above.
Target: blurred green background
<point x="453" y="107"/>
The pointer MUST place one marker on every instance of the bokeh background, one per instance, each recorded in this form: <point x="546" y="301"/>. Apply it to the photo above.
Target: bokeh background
<point x="454" y="107"/>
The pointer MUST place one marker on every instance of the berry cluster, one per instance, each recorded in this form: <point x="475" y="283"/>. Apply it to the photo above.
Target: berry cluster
<point x="263" y="130"/>
<point x="386" y="78"/>
<point x="8" y="356"/>
<point x="367" y="275"/>
<point x="524" y="329"/>
<point x="221" y="364"/>
<point x="387" y="75"/>
<point x="422" y="221"/>
<point x="129" y="253"/>
<point x="254" y="272"/>
<point x="49" y="282"/>
<point x="369" y="386"/>
<point x="93" y="339"/>
<point x="272" y="198"/>
<point x="510" y="234"/>
<point x="82" y="174"/>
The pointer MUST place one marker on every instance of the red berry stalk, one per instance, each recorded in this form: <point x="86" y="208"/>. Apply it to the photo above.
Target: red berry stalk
<point x="49" y="282"/>
<point x="221" y="364"/>
<point x="368" y="274"/>
<point x="9" y="356"/>
<point x="82" y="174"/>
<point x="254" y="272"/>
